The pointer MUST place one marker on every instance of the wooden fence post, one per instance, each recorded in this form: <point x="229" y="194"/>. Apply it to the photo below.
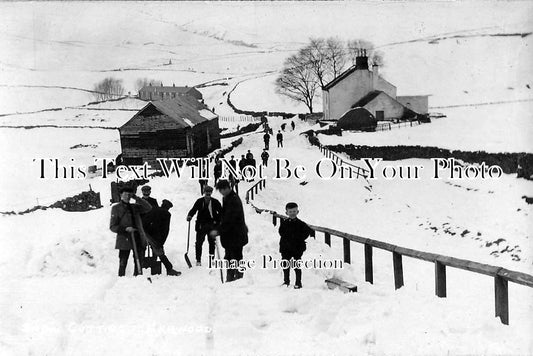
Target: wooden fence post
<point x="274" y="221"/>
<point x="501" y="294"/>
<point x="398" y="270"/>
<point x="440" y="279"/>
<point x="251" y="194"/>
<point x="369" y="269"/>
<point x="327" y="239"/>
<point x="346" y="248"/>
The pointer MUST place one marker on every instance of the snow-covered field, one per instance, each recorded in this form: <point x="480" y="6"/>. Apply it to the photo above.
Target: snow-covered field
<point x="60" y="293"/>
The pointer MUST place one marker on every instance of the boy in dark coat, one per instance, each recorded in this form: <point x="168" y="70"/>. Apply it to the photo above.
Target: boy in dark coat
<point x="157" y="224"/>
<point x="293" y="232"/>
<point x="232" y="228"/>
<point x="123" y="224"/>
<point x="209" y="210"/>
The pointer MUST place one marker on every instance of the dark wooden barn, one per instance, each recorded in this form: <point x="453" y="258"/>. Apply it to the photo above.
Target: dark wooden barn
<point x="179" y="127"/>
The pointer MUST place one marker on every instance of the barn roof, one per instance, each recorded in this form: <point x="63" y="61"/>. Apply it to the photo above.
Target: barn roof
<point x="181" y="112"/>
<point x="172" y="89"/>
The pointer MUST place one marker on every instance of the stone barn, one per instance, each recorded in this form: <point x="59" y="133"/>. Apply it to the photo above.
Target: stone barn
<point x="180" y="127"/>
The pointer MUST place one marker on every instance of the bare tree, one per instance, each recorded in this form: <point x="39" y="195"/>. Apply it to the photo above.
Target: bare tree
<point x="144" y="82"/>
<point x="298" y="79"/>
<point x="335" y="57"/>
<point x="315" y="55"/>
<point x="109" y="88"/>
<point x="318" y="63"/>
<point x="326" y="57"/>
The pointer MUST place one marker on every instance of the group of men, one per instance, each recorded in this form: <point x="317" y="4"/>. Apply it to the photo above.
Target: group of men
<point x="140" y="222"/>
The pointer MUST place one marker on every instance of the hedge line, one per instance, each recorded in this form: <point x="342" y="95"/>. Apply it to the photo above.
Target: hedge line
<point x="245" y="129"/>
<point x="509" y="162"/>
<point x="285" y="115"/>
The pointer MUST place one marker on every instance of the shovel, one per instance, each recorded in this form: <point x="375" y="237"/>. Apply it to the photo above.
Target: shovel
<point x="188" y="237"/>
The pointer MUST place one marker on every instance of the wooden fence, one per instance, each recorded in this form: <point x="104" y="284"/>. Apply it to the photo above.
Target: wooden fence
<point x="239" y="118"/>
<point x="501" y="275"/>
<point x="250" y="193"/>
<point x="359" y="171"/>
<point x="386" y="126"/>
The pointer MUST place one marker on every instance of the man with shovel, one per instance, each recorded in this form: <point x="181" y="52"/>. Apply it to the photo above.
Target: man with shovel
<point x="123" y="224"/>
<point x="232" y="228"/>
<point x="156" y="226"/>
<point x="209" y="210"/>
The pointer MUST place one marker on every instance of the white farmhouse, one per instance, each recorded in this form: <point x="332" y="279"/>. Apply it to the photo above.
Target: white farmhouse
<point x="361" y="87"/>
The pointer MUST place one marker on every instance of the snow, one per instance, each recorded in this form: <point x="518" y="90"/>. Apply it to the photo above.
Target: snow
<point x="60" y="293"/>
<point x="207" y="114"/>
<point x="490" y="128"/>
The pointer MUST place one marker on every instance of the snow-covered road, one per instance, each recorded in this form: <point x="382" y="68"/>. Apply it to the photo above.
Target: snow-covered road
<point x="60" y="294"/>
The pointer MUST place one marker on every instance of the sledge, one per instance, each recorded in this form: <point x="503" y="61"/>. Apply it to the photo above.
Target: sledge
<point x="342" y="285"/>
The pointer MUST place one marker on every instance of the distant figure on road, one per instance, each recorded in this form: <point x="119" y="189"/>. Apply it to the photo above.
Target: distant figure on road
<point x="232" y="162"/>
<point x="293" y="125"/>
<point x="242" y="162"/>
<point x="279" y="137"/>
<point x="264" y="157"/>
<point x="217" y="170"/>
<point x="266" y="138"/>
<point x="283" y="126"/>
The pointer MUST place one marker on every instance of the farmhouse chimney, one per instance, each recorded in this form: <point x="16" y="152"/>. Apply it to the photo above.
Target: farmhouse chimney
<point x="375" y="76"/>
<point x="361" y="61"/>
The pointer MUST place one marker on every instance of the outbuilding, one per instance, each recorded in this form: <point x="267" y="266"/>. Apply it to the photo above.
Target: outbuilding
<point x="180" y="127"/>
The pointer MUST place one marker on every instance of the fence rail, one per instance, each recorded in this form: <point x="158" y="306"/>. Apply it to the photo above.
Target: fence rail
<point x="254" y="189"/>
<point x="359" y="171"/>
<point x="239" y="118"/>
<point x="386" y="126"/>
<point x="501" y="275"/>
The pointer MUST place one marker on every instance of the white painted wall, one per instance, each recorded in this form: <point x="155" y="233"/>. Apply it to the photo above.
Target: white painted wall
<point x="392" y="109"/>
<point x="351" y="89"/>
